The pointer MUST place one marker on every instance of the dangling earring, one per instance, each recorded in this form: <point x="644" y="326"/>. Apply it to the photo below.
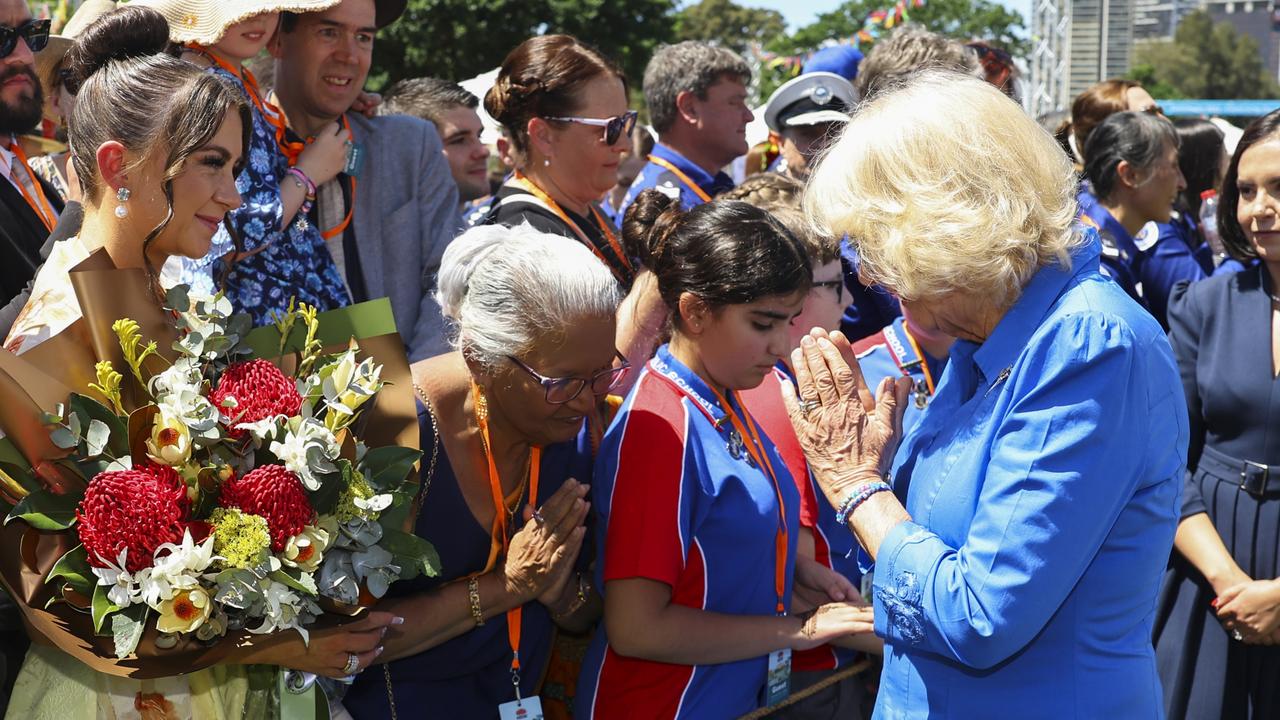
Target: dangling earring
<point x="546" y="162"/>
<point x="122" y="196"/>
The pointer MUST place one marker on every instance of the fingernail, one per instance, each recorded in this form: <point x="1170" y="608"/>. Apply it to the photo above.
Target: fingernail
<point x="397" y="620"/>
<point x="824" y="343"/>
<point x="806" y="341"/>
<point x="378" y="652"/>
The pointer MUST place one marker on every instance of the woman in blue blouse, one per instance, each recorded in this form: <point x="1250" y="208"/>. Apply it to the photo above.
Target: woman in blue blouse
<point x="507" y="419"/>
<point x="1019" y="579"/>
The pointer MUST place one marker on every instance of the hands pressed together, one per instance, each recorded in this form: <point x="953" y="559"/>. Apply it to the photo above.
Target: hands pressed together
<point x="1251" y="609"/>
<point x="543" y="553"/>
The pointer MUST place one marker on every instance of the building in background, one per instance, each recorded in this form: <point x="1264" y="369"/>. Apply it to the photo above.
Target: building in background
<point x="1259" y="19"/>
<point x="1101" y="41"/>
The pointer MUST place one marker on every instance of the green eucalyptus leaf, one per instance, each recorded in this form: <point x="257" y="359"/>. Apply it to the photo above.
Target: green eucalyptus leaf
<point x="117" y="432"/>
<point x="97" y="437"/>
<point x="414" y="555"/>
<point x="102" y="607"/>
<point x="126" y="629"/>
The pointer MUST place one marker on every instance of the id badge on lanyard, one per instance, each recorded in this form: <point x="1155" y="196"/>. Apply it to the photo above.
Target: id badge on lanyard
<point x="778" y="685"/>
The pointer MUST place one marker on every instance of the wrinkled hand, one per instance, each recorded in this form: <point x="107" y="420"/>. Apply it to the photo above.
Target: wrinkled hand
<point x="832" y="621"/>
<point x="848" y="435"/>
<point x="816" y="584"/>
<point x="327" y="650"/>
<point x="366" y="103"/>
<point x="326" y="156"/>
<point x="1253" y="608"/>
<point x="543" y="552"/>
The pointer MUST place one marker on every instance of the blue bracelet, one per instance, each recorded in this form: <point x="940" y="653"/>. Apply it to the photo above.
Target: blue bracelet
<point x="858" y="497"/>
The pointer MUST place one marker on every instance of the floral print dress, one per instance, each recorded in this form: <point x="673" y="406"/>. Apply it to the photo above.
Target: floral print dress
<point x="287" y="263"/>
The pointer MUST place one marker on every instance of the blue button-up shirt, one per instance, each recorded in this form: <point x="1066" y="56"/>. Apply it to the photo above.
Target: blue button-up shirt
<point x="1045" y="487"/>
<point x="653" y="175"/>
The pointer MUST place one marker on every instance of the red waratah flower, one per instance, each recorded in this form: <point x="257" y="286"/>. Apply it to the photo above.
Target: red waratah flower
<point x="139" y="509"/>
<point x="260" y="391"/>
<point x="273" y="493"/>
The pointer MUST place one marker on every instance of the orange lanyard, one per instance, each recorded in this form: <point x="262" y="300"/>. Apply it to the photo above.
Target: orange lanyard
<point x="924" y="363"/>
<point x="39" y="203"/>
<point x="683" y="178"/>
<point x="747" y="429"/>
<point x="500" y="535"/>
<point x="527" y="184"/>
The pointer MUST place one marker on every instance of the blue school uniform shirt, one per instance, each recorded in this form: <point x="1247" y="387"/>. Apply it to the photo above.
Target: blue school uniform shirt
<point x="675" y="504"/>
<point x="1045" y="487"/>
<point x="653" y="175"/>
<point x="890" y="353"/>
<point x="1171" y="252"/>
<point x="1121" y="258"/>
<point x="293" y="262"/>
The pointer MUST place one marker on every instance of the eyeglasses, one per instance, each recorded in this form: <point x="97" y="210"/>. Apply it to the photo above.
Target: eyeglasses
<point x="1154" y="110"/>
<point x="563" y="390"/>
<point x="35" y="32"/>
<point x="837" y="285"/>
<point x="614" y="127"/>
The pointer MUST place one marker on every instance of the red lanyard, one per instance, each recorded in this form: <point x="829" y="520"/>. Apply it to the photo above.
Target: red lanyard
<point x="275" y="118"/>
<point x="500" y="537"/>
<point x="683" y="178"/>
<point x="751" y="439"/>
<point x="39" y="203"/>
<point x="554" y="206"/>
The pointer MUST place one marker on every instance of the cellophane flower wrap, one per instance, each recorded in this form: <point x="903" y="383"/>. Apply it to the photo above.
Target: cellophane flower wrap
<point x="223" y="493"/>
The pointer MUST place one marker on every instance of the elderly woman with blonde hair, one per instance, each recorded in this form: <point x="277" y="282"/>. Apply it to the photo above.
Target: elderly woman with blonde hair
<point x="1019" y="550"/>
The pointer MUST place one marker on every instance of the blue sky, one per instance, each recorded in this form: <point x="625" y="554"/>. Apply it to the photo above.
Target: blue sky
<point x="803" y="12"/>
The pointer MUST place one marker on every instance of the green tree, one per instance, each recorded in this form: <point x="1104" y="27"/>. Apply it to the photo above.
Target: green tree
<point x="458" y="39"/>
<point x="1204" y="60"/>
<point x="729" y="24"/>
<point x="961" y="19"/>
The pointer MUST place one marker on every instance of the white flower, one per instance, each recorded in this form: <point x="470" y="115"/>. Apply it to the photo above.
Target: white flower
<point x="308" y="447"/>
<point x="183" y="375"/>
<point x="264" y="429"/>
<point x="170" y="441"/>
<point x="284" y="609"/>
<point x="349" y="385"/>
<point x="187" y="611"/>
<point x="212" y="319"/>
<point x="375" y="504"/>
<point x="176" y="568"/>
<point x="305" y="550"/>
<point x="124" y="585"/>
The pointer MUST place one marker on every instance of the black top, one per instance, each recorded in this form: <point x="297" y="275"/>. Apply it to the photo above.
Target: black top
<point x="510" y="214"/>
<point x="22" y="234"/>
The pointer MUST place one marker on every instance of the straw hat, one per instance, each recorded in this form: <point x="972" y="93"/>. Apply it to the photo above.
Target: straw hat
<point x="204" y="22"/>
<point x="52" y="54"/>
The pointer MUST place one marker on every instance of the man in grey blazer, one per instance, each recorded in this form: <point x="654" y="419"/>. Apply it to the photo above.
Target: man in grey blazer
<point x="389" y="240"/>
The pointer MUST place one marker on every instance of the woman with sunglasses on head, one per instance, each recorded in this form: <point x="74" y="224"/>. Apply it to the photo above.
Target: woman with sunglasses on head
<point x="699" y="515"/>
<point x="564" y="107"/>
<point x="509" y="422"/>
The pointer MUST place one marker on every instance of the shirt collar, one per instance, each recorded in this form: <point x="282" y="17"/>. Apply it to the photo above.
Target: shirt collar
<point x="7" y="158"/>
<point x="709" y="183"/>
<point x="1012" y="333"/>
<point x="1108" y="224"/>
<point x="667" y="366"/>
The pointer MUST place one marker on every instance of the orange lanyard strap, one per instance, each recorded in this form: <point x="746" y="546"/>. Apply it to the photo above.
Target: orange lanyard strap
<point x="683" y="178"/>
<point x="751" y="439"/>
<point x="39" y="203"/>
<point x="500" y="541"/>
<point x="924" y="362"/>
<point x="526" y="184"/>
<point x="351" y="206"/>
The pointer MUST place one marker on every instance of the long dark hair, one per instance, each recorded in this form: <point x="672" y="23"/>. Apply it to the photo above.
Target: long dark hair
<point x="1233" y="237"/>
<point x="1200" y="159"/>
<point x="726" y="252"/>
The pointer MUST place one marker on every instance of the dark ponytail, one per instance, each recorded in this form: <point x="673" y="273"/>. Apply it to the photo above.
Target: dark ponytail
<point x="725" y="252"/>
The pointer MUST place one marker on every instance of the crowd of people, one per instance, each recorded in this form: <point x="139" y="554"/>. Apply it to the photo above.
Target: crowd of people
<point x="959" y="412"/>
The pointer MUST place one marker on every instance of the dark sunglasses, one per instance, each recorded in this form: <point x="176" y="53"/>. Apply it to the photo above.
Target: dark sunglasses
<point x="837" y="285"/>
<point x="35" y="32"/>
<point x="614" y="127"/>
<point x="563" y="390"/>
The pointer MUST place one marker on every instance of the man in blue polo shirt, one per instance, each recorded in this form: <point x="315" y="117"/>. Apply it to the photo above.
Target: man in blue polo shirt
<point x="697" y="99"/>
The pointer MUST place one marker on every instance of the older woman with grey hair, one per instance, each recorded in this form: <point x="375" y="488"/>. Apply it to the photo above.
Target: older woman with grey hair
<point x="507" y="427"/>
<point x="1020" y="530"/>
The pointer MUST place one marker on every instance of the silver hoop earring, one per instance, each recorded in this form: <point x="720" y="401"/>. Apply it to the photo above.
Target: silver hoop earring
<point x="122" y="196"/>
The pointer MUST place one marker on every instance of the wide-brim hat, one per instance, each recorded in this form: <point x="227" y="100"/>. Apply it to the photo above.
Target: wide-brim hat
<point x="204" y="22"/>
<point x="817" y="97"/>
<point x="388" y="11"/>
<point x="47" y="60"/>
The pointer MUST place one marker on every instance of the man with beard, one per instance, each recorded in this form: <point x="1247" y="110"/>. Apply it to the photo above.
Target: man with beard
<point x="388" y="216"/>
<point x="29" y="208"/>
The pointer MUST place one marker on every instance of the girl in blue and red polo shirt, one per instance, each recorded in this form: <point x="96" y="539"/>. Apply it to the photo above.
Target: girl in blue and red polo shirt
<point x="698" y="515"/>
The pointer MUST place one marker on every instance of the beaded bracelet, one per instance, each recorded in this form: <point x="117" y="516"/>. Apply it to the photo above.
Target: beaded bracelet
<point x="303" y="181"/>
<point x="859" y="496"/>
<point x="473" y="594"/>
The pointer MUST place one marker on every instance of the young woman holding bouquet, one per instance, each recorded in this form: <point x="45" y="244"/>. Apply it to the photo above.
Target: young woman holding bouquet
<point x="509" y="423"/>
<point x="156" y="143"/>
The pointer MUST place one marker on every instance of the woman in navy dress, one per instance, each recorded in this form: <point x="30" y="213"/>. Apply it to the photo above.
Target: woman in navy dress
<point x="505" y="419"/>
<point x="1219" y="612"/>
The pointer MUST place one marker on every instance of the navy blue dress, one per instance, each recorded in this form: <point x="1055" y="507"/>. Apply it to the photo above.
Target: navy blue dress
<point x="1217" y="328"/>
<point x="470" y="675"/>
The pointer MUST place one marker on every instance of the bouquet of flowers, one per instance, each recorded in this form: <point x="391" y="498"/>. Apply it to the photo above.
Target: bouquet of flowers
<point x="214" y="491"/>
